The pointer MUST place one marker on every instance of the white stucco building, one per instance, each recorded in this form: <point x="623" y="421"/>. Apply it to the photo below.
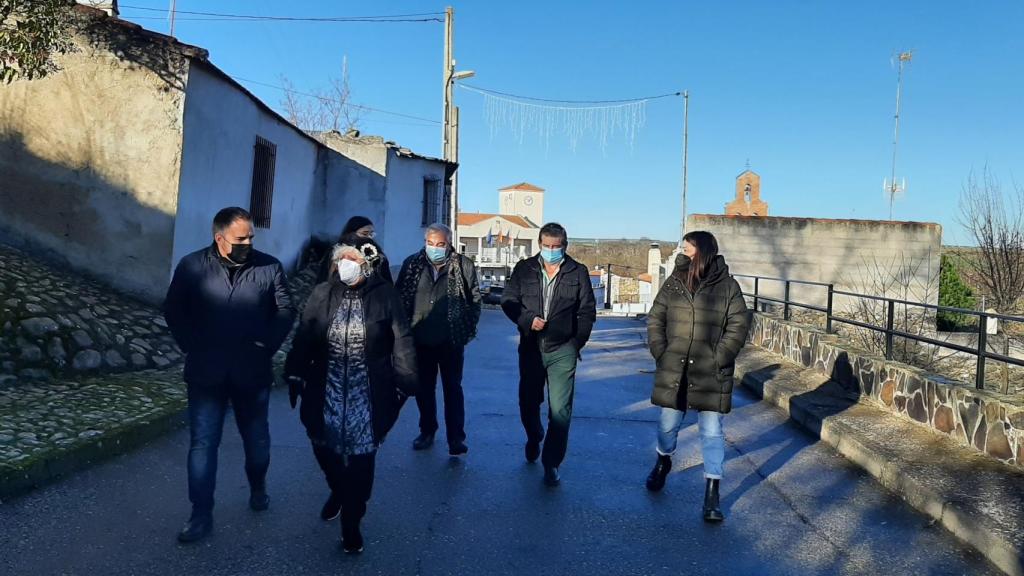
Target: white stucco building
<point x="117" y="163"/>
<point x="496" y="242"/>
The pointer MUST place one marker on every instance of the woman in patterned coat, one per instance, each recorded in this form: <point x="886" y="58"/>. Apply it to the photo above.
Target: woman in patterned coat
<point x="353" y="363"/>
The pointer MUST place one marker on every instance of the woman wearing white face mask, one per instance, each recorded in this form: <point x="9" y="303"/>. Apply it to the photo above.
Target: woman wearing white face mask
<point x="353" y="363"/>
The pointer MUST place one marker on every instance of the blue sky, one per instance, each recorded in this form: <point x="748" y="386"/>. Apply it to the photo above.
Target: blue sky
<point x="804" y="90"/>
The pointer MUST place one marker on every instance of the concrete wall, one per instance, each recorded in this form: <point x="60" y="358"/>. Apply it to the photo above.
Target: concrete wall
<point x="89" y="163"/>
<point x="351" y="189"/>
<point x="221" y="126"/>
<point x="401" y="231"/>
<point x="896" y="259"/>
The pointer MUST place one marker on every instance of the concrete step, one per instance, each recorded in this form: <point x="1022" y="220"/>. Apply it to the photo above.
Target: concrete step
<point x="977" y="498"/>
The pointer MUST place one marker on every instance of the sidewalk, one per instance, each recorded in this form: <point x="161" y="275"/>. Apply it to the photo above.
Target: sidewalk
<point x="977" y="498"/>
<point x="48" y="430"/>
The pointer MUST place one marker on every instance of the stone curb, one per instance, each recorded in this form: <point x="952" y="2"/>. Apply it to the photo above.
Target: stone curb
<point x="60" y="462"/>
<point x="849" y="442"/>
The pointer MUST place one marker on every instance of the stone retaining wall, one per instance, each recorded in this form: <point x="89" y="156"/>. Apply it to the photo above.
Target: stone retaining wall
<point x="990" y="422"/>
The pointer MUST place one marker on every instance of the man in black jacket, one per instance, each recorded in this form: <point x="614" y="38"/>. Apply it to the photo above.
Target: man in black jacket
<point x="550" y="299"/>
<point x="229" y="310"/>
<point x="441" y="297"/>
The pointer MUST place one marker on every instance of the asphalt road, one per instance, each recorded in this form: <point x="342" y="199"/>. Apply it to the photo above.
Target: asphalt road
<point x="793" y="506"/>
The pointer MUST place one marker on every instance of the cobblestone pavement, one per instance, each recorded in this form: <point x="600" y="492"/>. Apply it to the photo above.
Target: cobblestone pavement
<point x="51" y="427"/>
<point x="54" y="324"/>
<point x="793" y="505"/>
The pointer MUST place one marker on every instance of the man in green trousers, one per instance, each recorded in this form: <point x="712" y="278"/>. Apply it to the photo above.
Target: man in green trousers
<point x="550" y="299"/>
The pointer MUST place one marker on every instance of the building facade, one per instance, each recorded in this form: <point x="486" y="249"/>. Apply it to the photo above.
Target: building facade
<point x="748" y="200"/>
<point x="496" y="242"/>
<point x="120" y="183"/>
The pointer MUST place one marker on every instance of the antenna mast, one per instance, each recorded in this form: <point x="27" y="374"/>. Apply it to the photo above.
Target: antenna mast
<point x="892" y="187"/>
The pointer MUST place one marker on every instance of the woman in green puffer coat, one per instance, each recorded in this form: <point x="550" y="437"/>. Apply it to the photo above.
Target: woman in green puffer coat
<point x="695" y="330"/>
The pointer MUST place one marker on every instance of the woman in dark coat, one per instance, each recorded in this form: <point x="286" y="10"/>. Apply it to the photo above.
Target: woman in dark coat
<point x="695" y="330"/>
<point x="353" y="363"/>
<point x="358" y="229"/>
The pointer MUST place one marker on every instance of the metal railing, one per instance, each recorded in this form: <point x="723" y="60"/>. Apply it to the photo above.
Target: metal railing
<point x="981" y="353"/>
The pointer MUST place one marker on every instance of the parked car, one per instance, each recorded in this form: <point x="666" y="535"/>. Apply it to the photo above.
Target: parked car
<point x="493" y="295"/>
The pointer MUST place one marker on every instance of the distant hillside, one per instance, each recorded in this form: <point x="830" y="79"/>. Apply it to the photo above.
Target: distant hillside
<point x="627" y="257"/>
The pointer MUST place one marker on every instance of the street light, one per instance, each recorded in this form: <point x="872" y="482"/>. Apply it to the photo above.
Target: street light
<point x="451" y="141"/>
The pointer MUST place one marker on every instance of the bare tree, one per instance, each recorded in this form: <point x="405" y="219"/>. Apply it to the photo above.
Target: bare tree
<point x="322" y="110"/>
<point x="995" y="221"/>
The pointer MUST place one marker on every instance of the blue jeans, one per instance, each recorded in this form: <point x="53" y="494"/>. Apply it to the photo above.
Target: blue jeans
<point x="712" y="440"/>
<point x="207" y="406"/>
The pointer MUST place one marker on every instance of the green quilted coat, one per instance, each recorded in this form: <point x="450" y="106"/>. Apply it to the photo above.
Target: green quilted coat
<point x="696" y="337"/>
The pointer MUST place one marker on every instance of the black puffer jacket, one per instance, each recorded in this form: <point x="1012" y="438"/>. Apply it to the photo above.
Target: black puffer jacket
<point x="695" y="339"/>
<point x="390" y="353"/>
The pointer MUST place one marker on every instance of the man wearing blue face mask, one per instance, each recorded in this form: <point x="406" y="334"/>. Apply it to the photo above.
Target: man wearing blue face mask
<point x="441" y="297"/>
<point x="552" y="302"/>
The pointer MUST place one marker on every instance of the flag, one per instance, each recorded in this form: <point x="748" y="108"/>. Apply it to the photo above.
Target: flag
<point x="490" y="237"/>
<point x="501" y="236"/>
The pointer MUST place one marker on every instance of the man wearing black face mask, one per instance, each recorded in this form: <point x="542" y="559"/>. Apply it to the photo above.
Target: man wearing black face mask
<point x="229" y="310"/>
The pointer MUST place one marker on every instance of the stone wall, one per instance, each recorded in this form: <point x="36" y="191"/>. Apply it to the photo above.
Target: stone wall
<point x="897" y="259"/>
<point x="990" y="422"/>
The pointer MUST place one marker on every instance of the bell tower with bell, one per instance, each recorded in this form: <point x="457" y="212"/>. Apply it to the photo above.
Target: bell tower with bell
<point x="748" y="196"/>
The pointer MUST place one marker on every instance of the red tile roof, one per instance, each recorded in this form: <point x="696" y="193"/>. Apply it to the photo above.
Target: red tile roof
<point x="472" y="218"/>
<point x="523" y="186"/>
<point x="645" y="277"/>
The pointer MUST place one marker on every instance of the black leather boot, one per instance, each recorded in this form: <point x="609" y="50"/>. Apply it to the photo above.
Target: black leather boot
<point x="712" y="512"/>
<point x="656" y="479"/>
<point x="351" y="537"/>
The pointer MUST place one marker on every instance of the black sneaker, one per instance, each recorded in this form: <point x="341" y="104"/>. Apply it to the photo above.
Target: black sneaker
<point x="259" y="501"/>
<point x="332" y="508"/>
<point x="197" y="528"/>
<point x="532" y="451"/>
<point x="423" y="441"/>
<point x="457" y="449"/>
<point x="551" y="477"/>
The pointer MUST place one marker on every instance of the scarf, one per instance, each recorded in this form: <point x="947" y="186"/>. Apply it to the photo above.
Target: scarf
<point x="461" y="317"/>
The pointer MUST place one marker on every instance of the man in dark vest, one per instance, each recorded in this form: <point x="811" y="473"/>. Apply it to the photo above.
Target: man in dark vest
<point x="229" y="309"/>
<point x="550" y="299"/>
<point x="441" y="296"/>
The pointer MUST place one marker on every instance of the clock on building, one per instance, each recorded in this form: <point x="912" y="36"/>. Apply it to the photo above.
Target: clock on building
<point x="528" y="200"/>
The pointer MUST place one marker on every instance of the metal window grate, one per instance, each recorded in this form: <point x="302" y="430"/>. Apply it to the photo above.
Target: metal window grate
<point x="432" y="202"/>
<point x="264" y="160"/>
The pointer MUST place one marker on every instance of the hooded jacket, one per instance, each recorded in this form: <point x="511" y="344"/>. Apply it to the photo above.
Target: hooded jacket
<point x="695" y="338"/>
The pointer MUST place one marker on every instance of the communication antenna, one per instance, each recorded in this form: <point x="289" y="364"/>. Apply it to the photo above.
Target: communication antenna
<point x="170" y="16"/>
<point x="891" y="186"/>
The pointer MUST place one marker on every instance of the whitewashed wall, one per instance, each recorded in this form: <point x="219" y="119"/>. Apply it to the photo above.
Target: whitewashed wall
<point x="221" y="124"/>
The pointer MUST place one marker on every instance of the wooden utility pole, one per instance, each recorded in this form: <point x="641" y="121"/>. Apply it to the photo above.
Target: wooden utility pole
<point x="686" y="143"/>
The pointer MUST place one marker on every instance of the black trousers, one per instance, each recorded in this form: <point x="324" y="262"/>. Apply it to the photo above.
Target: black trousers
<point x="352" y="480"/>
<point x="449" y="361"/>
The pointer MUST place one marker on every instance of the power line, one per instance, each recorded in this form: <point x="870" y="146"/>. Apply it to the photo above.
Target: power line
<point x="419" y="17"/>
<point x="319" y="97"/>
<point x="557" y="101"/>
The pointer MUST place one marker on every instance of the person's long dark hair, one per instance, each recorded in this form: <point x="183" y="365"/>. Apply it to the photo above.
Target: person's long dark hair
<point x="707" y="249"/>
<point x="354" y="223"/>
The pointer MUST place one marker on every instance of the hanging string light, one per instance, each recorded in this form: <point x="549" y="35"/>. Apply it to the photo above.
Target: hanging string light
<point x="601" y="120"/>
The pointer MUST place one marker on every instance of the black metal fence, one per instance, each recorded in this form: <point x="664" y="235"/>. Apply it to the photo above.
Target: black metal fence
<point x="981" y="353"/>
